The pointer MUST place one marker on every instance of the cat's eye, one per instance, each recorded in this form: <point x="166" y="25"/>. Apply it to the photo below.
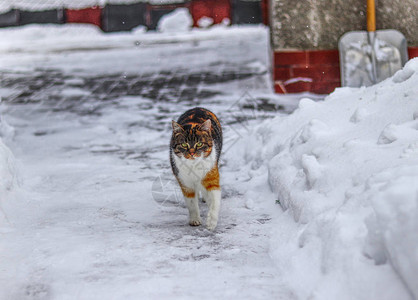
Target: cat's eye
<point x="184" y="145"/>
<point x="200" y="144"/>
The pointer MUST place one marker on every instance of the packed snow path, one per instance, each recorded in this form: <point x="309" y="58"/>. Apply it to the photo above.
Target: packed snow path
<point x="98" y="215"/>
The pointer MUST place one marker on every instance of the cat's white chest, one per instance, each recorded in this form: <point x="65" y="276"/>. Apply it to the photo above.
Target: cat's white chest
<point x="191" y="172"/>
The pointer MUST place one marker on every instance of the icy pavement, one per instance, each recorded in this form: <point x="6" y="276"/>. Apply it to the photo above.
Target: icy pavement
<point x="98" y="215"/>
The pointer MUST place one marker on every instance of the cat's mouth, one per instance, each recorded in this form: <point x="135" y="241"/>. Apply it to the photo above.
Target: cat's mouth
<point x="193" y="156"/>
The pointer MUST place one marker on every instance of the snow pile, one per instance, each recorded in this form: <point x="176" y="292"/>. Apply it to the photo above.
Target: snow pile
<point x="8" y="178"/>
<point x="77" y="47"/>
<point x="346" y="170"/>
<point x="8" y="181"/>
<point x="7" y="171"/>
<point x="47" y="4"/>
<point x="71" y="4"/>
<point x="179" y="20"/>
<point x="205" y="22"/>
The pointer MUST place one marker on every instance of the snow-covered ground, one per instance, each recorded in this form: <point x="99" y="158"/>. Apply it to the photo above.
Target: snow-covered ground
<point x="318" y="204"/>
<point x="89" y="118"/>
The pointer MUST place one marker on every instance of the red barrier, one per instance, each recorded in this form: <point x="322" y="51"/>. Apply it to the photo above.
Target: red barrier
<point x="215" y="9"/>
<point x="316" y="71"/>
<point x="91" y="15"/>
<point x="412" y="52"/>
<point x="265" y="4"/>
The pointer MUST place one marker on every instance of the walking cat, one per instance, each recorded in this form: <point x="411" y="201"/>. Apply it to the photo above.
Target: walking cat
<point x="195" y="147"/>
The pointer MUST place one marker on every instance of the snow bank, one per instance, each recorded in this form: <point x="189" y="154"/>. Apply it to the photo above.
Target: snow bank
<point x="179" y="20"/>
<point x="205" y="22"/>
<point x="79" y="47"/>
<point x="72" y="4"/>
<point x="8" y="178"/>
<point x="7" y="170"/>
<point x="47" y="4"/>
<point x="346" y="170"/>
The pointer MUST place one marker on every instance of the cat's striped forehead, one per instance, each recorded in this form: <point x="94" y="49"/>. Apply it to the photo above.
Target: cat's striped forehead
<point x="192" y="132"/>
<point x="192" y="127"/>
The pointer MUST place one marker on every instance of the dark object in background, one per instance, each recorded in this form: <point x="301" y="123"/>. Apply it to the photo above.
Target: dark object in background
<point x="10" y="18"/>
<point x="246" y="12"/>
<point x="55" y="16"/>
<point x="91" y="15"/>
<point x="123" y="17"/>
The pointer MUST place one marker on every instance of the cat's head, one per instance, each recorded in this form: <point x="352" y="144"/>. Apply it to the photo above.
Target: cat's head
<point x="192" y="140"/>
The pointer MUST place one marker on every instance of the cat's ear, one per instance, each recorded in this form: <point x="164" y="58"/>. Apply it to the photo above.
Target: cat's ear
<point x="176" y="127"/>
<point x="206" y="126"/>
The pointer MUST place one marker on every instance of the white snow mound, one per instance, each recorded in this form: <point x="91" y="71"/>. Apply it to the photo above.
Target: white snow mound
<point x="346" y="171"/>
<point x="8" y="178"/>
<point x="205" y="22"/>
<point x="179" y="20"/>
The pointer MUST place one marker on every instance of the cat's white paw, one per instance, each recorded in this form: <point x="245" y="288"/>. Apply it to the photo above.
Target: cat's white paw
<point x="211" y="224"/>
<point x="195" y="222"/>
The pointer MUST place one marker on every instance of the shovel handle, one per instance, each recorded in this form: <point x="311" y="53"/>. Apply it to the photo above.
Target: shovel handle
<point x="371" y="15"/>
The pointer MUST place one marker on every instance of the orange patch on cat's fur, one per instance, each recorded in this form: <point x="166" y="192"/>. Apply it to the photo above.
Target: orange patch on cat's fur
<point x="211" y="180"/>
<point x="187" y="192"/>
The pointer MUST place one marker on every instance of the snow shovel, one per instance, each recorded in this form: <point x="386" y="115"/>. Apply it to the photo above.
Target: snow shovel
<point x="367" y="58"/>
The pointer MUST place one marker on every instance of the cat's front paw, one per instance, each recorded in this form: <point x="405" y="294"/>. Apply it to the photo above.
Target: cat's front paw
<point x="195" y="222"/>
<point x="211" y="223"/>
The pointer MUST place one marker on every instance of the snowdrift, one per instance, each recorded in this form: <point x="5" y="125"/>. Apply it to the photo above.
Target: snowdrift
<point x="179" y="20"/>
<point x="8" y="178"/>
<point x="346" y="171"/>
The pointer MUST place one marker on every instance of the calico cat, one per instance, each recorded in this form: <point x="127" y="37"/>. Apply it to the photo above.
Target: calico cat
<point x="195" y="148"/>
